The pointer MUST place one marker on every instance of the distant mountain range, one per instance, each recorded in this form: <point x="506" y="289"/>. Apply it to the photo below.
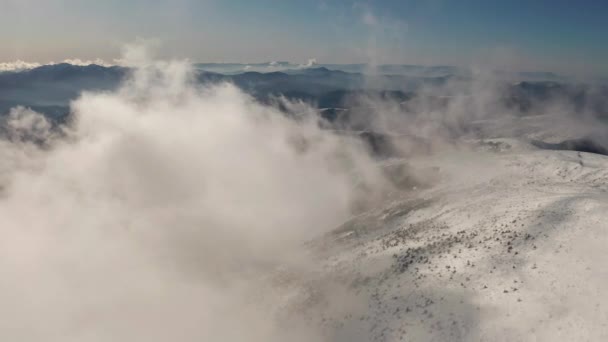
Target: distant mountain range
<point x="50" y="88"/>
<point x="383" y="69"/>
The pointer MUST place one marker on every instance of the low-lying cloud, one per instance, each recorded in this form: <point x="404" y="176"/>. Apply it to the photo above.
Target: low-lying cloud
<point x="156" y="214"/>
<point x="20" y="65"/>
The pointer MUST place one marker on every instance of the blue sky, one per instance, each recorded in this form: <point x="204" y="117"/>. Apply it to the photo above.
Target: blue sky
<point x="525" y="34"/>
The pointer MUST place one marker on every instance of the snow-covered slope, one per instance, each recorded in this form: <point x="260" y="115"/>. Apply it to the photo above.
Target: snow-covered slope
<point x="508" y="244"/>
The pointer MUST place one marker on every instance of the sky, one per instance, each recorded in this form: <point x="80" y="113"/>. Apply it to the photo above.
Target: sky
<point x="558" y="35"/>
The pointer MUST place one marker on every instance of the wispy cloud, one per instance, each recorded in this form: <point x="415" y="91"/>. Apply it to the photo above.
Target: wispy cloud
<point x="162" y="198"/>
<point x="18" y="65"/>
<point x="23" y="65"/>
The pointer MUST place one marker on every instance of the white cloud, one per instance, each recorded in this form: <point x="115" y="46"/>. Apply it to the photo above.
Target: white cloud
<point x="25" y="124"/>
<point x="18" y="65"/>
<point x="158" y="214"/>
<point x="311" y="62"/>
<point x="80" y="62"/>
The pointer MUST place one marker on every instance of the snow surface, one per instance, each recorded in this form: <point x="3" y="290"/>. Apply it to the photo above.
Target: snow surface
<point x="508" y="244"/>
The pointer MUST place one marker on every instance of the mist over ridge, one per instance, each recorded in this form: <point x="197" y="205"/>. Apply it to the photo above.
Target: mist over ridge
<point x="170" y="201"/>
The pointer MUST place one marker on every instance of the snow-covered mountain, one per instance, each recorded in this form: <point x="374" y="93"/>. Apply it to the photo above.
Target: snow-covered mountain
<point x="500" y="241"/>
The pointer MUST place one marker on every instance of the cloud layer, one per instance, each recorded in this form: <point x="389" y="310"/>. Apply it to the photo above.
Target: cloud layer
<point x="158" y="213"/>
<point x="20" y="65"/>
